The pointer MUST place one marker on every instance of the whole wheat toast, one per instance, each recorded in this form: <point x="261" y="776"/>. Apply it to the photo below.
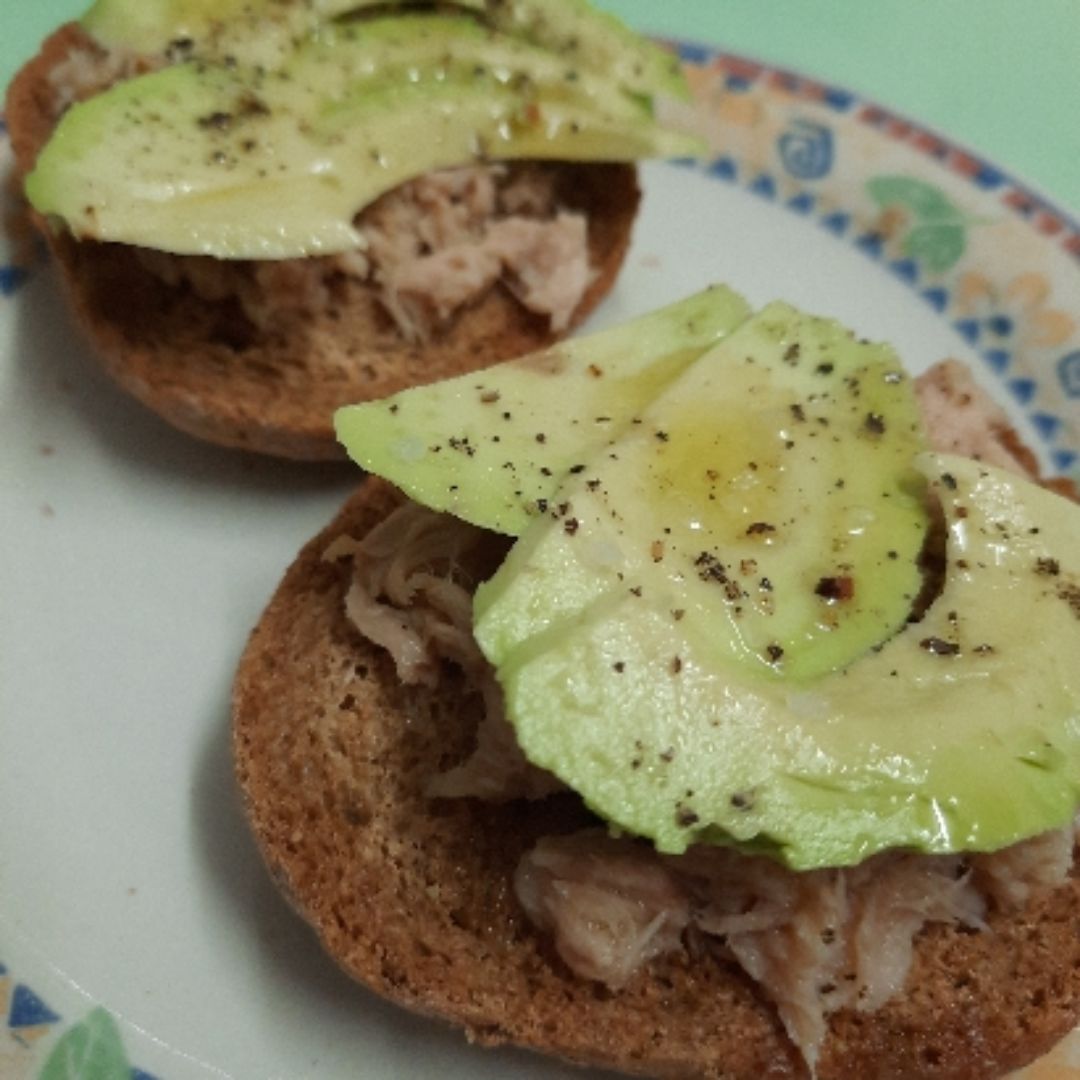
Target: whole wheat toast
<point x="207" y="370"/>
<point x="414" y="897"/>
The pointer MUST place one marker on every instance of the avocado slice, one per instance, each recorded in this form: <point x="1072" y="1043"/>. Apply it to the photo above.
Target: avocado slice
<point x="595" y="39"/>
<point x="198" y="160"/>
<point x="149" y="26"/>
<point x="912" y="745"/>
<point x="202" y="156"/>
<point x="734" y="500"/>
<point x="379" y="50"/>
<point x="580" y="33"/>
<point x="493" y="447"/>
<point x="248" y="30"/>
<point x="584" y="36"/>
<point x="213" y="27"/>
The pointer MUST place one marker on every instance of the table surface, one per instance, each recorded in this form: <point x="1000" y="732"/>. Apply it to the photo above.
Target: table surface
<point x="998" y="75"/>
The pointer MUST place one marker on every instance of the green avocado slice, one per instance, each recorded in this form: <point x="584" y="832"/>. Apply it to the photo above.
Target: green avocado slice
<point x="767" y="495"/>
<point x="250" y="31"/>
<point x="214" y="26"/>
<point x="584" y="36"/>
<point x="198" y="160"/>
<point x="594" y="39"/>
<point x="273" y="156"/>
<point x="149" y="26"/>
<point x="492" y="448"/>
<point x="960" y="733"/>
<point x="578" y="32"/>
<point x="353" y="58"/>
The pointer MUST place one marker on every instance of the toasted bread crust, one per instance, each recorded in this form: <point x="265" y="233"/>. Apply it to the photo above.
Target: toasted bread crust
<point x="414" y="898"/>
<point x="203" y="368"/>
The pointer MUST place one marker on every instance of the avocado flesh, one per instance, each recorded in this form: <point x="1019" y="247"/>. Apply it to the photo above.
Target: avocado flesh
<point x="596" y="39"/>
<point x="251" y="31"/>
<point x="353" y="57"/>
<point x="581" y="34"/>
<point x="591" y="39"/>
<point x="215" y="26"/>
<point x="734" y="499"/>
<point x="911" y="746"/>
<point x="148" y="26"/>
<point x="200" y="158"/>
<point x="492" y="447"/>
<point x="145" y="163"/>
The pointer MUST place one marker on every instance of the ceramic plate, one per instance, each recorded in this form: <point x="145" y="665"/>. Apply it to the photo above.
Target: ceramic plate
<point x="139" y="933"/>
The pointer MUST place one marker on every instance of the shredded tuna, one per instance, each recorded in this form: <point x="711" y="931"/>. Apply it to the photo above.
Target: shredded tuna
<point x="443" y="240"/>
<point x="814" y="942"/>
<point x="893" y="896"/>
<point x="436" y="285"/>
<point x="529" y="191"/>
<point x="962" y="418"/>
<point x="828" y="939"/>
<point x="546" y="262"/>
<point x="411" y="594"/>
<point x="1011" y="876"/>
<point x="89" y="69"/>
<point x="430" y="248"/>
<point x="610" y="911"/>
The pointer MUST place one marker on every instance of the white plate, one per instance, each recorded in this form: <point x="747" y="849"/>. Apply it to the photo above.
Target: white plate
<point x="136" y="921"/>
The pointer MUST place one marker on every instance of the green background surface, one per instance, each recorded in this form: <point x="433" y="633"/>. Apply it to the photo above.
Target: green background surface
<point x="1001" y="76"/>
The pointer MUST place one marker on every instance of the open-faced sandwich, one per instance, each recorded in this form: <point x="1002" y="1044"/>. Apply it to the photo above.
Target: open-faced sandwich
<point x="697" y="698"/>
<point x="263" y="210"/>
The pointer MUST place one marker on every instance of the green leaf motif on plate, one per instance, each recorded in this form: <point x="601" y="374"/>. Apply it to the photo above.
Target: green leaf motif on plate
<point x="924" y="200"/>
<point x="937" y="235"/>
<point x="937" y="247"/>
<point x="91" y="1050"/>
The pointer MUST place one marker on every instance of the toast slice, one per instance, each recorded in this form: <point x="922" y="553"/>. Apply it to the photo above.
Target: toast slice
<point x="209" y="371"/>
<point x="413" y="896"/>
